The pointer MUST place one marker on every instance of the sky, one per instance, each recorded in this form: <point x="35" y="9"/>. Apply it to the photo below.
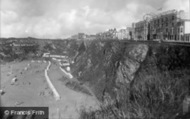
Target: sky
<point x="63" y="18"/>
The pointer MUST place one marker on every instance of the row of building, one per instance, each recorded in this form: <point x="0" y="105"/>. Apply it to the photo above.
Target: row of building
<point x="116" y="34"/>
<point x="170" y="26"/>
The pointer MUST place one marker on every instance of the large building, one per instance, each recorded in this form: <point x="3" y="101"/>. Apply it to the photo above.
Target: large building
<point x="170" y="25"/>
<point x="140" y="30"/>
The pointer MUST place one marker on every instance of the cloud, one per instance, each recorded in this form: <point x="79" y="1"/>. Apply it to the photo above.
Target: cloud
<point x="62" y="18"/>
<point x="177" y="4"/>
<point x="8" y="17"/>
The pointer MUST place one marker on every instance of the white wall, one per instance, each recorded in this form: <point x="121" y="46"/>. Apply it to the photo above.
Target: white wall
<point x="187" y="27"/>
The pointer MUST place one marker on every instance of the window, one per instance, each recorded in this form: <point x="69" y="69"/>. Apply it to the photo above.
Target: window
<point x="181" y="37"/>
<point x="158" y="23"/>
<point x="162" y="20"/>
<point x="171" y="31"/>
<point x="166" y="21"/>
<point x="173" y="17"/>
<point x="172" y="24"/>
<point x="181" y="29"/>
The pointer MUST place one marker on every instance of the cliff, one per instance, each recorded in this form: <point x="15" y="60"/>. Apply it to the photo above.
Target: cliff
<point x="106" y="66"/>
<point x="143" y="79"/>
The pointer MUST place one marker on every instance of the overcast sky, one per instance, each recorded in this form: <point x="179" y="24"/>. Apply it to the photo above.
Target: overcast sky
<point x="62" y="18"/>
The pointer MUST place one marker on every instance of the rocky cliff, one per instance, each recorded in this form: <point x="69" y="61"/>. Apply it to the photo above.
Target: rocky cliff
<point x="145" y="79"/>
<point x="107" y="65"/>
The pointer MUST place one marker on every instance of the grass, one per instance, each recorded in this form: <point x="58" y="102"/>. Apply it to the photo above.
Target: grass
<point x="77" y="87"/>
<point x="153" y="94"/>
<point x="74" y="85"/>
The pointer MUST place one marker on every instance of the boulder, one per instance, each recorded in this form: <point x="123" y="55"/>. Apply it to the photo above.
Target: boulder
<point x="14" y="80"/>
<point x="18" y="103"/>
<point x="25" y="68"/>
<point x="2" y="92"/>
<point x="68" y="69"/>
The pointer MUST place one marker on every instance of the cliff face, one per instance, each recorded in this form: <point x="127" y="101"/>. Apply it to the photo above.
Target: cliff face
<point x="108" y="66"/>
<point x="105" y="66"/>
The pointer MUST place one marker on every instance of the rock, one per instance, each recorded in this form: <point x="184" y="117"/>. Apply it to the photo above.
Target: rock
<point x="68" y="69"/>
<point x="9" y="73"/>
<point x="108" y="65"/>
<point x="25" y="68"/>
<point x="18" y="103"/>
<point x="2" y="92"/>
<point x="50" y="93"/>
<point x="139" y="52"/>
<point x="42" y="93"/>
<point x="127" y="69"/>
<point x="14" y="80"/>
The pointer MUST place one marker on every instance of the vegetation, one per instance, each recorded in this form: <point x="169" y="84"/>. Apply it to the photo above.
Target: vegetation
<point x="153" y="94"/>
<point x="75" y="85"/>
<point x="157" y="91"/>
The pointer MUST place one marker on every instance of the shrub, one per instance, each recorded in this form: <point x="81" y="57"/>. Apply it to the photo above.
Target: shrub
<point x="153" y="94"/>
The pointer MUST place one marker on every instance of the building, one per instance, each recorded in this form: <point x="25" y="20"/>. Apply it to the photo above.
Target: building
<point x="109" y="34"/>
<point x="183" y="30"/>
<point x="91" y="37"/>
<point x="130" y="31"/>
<point x="187" y="37"/>
<point x="141" y="30"/>
<point x="133" y="37"/>
<point x="79" y="36"/>
<point x="169" y="25"/>
<point x="124" y="34"/>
